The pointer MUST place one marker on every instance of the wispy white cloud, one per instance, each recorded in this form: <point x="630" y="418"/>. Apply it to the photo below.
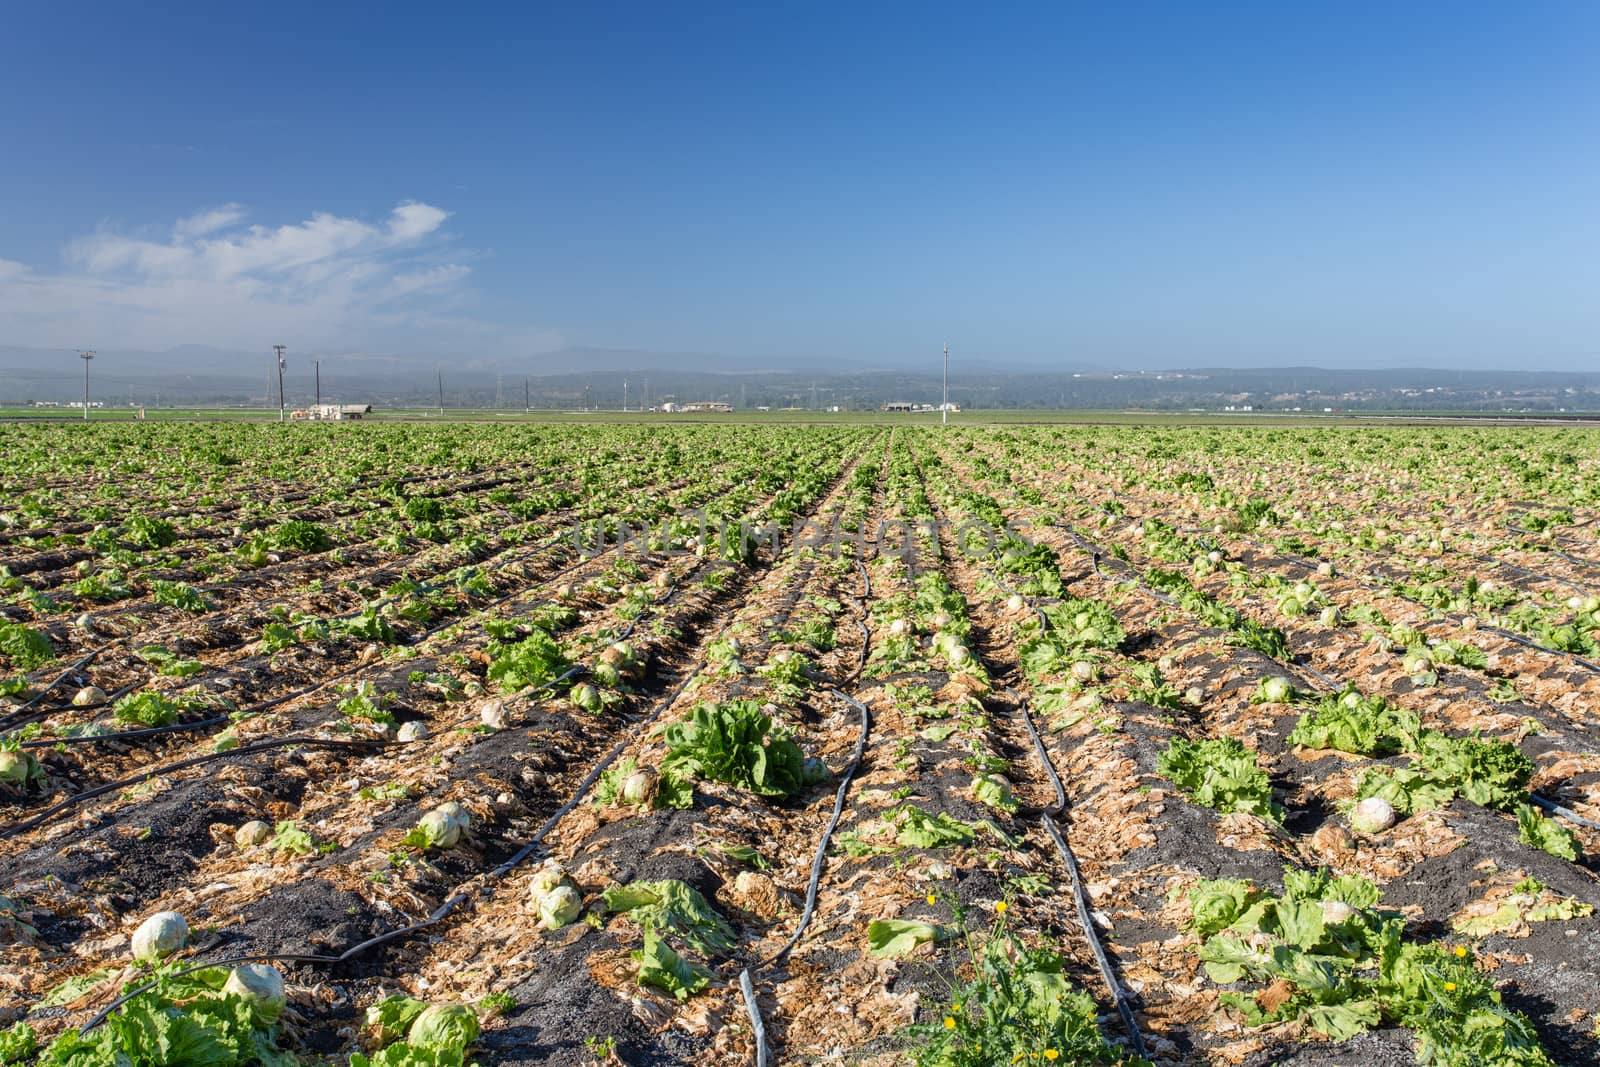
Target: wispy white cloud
<point x="328" y="280"/>
<point x="204" y="222"/>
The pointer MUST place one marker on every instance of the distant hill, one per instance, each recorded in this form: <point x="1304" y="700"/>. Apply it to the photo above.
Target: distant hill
<point x="603" y="377"/>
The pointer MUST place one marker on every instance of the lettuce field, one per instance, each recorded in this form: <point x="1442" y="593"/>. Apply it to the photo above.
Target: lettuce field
<point x="405" y="745"/>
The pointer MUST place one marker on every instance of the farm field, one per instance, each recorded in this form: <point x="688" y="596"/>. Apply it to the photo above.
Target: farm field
<point x="500" y="744"/>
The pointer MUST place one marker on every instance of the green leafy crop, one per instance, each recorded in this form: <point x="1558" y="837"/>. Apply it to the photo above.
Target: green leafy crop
<point x="1330" y="960"/>
<point x="917" y="829"/>
<point x="146" y="532"/>
<point x="179" y="595"/>
<point x="1220" y="773"/>
<point x="150" y="709"/>
<point x="299" y="534"/>
<point x="735" y="742"/>
<point x="1546" y="834"/>
<point x="663" y="968"/>
<point x="535" y="660"/>
<point x="1365" y="725"/>
<point x="24" y="647"/>
<point x="187" y="1020"/>
<point x="674" y="907"/>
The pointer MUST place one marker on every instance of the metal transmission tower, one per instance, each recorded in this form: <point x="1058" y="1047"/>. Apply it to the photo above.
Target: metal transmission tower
<point x="86" y="355"/>
<point x="280" y="349"/>
<point x="944" y="408"/>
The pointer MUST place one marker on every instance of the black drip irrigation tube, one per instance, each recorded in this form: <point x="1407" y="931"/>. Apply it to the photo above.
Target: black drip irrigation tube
<point x="746" y="986"/>
<point x="1566" y="813"/>
<point x="1518" y="639"/>
<point x="126" y="735"/>
<point x="818" y="860"/>
<point x="537" y="840"/>
<point x="1577" y="560"/>
<point x="44" y="713"/>
<point x="1058" y="837"/>
<point x="1086" y="918"/>
<point x="753" y="1009"/>
<point x="19" y="717"/>
<point x="1049" y="819"/>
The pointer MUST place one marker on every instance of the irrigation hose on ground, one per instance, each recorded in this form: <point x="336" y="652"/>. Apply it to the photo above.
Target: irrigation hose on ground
<point x="1566" y="813"/>
<point x="753" y="1009"/>
<point x="818" y="861"/>
<point x="1058" y="837"/>
<point x="14" y="719"/>
<point x="1086" y="917"/>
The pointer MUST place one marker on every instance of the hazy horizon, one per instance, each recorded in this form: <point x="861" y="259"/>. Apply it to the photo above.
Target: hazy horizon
<point x="1153" y="188"/>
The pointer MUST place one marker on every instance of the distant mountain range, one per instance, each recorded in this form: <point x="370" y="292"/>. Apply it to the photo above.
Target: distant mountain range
<point x="606" y="378"/>
<point x="210" y="361"/>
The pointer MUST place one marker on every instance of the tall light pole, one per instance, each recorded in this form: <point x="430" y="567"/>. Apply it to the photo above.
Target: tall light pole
<point x="944" y="408"/>
<point x="280" y="349"/>
<point x="86" y="355"/>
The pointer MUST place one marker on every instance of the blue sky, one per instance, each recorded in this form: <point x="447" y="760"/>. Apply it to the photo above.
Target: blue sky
<point x="1136" y="185"/>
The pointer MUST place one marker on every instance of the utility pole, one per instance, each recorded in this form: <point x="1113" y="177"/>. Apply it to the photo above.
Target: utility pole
<point x="499" y="391"/>
<point x="282" y="415"/>
<point x="813" y="394"/>
<point x="624" y="394"/>
<point x="440" y="373"/>
<point x="86" y="355"/>
<point x="319" y="383"/>
<point x="527" y="402"/>
<point x="646" y="395"/>
<point x="944" y="408"/>
<point x="741" y="395"/>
